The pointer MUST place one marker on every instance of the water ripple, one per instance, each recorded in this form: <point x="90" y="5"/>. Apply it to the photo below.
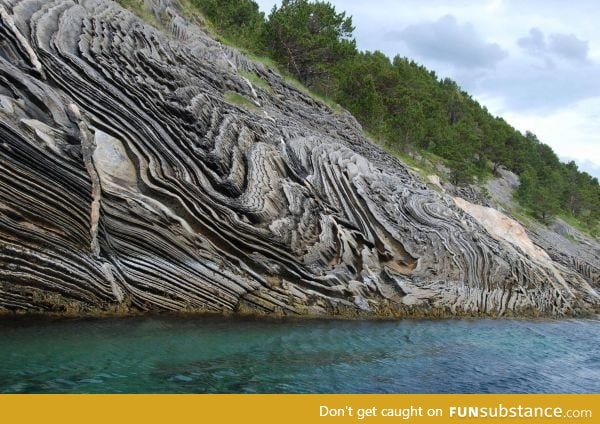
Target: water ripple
<point x="200" y="355"/>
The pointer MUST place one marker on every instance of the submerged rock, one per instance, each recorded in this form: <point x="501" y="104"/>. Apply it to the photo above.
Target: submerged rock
<point x="145" y="171"/>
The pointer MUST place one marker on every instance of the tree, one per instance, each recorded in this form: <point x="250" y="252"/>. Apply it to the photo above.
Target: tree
<point x="309" y="39"/>
<point x="357" y="91"/>
<point x="496" y="139"/>
<point x="539" y="192"/>
<point x="454" y="100"/>
<point x="406" y="120"/>
<point x="239" y="20"/>
<point x="575" y="189"/>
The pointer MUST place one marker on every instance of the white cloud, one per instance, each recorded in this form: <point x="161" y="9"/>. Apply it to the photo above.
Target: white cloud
<point x="539" y="85"/>
<point x="534" y="43"/>
<point x="561" y="46"/>
<point x="569" y="47"/>
<point x="446" y="40"/>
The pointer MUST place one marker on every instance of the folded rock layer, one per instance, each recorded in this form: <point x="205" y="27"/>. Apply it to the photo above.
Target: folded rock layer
<point x="142" y="170"/>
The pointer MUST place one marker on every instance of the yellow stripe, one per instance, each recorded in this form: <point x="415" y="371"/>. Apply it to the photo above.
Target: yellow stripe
<point x="283" y="409"/>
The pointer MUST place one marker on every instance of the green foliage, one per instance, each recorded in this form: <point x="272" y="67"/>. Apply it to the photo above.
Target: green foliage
<point x="256" y="81"/>
<point x="357" y="91"/>
<point x="309" y="39"/>
<point x="237" y="99"/>
<point x="138" y="7"/>
<point x="538" y="192"/>
<point x="240" y="21"/>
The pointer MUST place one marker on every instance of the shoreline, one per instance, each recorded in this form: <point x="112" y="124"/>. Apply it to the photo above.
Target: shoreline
<point x="106" y="315"/>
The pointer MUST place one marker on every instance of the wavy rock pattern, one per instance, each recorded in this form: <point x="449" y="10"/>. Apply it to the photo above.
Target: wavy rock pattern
<point x="129" y="180"/>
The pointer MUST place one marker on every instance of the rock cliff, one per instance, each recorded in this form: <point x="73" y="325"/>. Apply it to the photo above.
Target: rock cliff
<point x="145" y="169"/>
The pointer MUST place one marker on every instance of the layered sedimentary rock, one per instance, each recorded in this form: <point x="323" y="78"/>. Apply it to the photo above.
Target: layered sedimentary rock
<point x="159" y="170"/>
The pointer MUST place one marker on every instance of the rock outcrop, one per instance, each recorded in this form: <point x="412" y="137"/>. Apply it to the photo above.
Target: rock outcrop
<point x="159" y="170"/>
<point x="563" y="243"/>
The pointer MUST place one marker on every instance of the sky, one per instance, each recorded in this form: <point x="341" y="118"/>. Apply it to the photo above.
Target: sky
<point x="536" y="63"/>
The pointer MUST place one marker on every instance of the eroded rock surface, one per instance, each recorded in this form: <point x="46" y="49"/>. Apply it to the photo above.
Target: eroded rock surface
<point x="130" y="180"/>
<point x="563" y="243"/>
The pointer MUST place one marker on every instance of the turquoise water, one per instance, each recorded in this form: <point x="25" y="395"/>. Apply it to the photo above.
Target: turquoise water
<point x="218" y="355"/>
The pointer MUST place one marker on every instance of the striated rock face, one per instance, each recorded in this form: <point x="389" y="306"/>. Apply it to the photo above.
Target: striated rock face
<point x="144" y="171"/>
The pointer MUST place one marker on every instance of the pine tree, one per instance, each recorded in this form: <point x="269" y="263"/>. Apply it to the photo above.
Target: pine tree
<point x="308" y="39"/>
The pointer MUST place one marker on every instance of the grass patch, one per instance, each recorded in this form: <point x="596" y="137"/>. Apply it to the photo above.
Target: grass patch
<point x="191" y="12"/>
<point x="578" y="224"/>
<point x="257" y="81"/>
<point x="423" y="167"/>
<point x="527" y="217"/>
<point x="138" y="8"/>
<point x="290" y="80"/>
<point x="523" y="216"/>
<point x="237" y="99"/>
<point x="287" y="78"/>
<point x="188" y="10"/>
<point x="267" y="61"/>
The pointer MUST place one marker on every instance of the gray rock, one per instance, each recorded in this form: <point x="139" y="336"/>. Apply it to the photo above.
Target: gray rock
<point x="130" y="181"/>
<point x="570" y="248"/>
<point x="502" y="188"/>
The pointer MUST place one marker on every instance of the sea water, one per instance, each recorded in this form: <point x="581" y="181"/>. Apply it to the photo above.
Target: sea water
<point x="161" y="354"/>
